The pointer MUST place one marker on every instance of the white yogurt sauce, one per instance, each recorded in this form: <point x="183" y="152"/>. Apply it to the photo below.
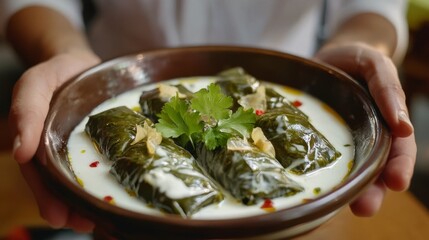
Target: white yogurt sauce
<point x="99" y="182"/>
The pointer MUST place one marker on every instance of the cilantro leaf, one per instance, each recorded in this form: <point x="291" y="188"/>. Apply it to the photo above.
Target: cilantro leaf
<point x="176" y="120"/>
<point x="213" y="138"/>
<point x="212" y="102"/>
<point x="205" y="118"/>
<point x="241" y="122"/>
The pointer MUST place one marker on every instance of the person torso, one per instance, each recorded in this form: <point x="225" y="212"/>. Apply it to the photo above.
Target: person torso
<point x="123" y="27"/>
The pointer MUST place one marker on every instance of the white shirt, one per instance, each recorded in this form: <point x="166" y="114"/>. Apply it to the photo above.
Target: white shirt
<point x="292" y="26"/>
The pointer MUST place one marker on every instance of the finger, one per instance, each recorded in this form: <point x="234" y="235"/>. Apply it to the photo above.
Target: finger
<point x="385" y="87"/>
<point x="400" y="166"/>
<point x="30" y="102"/>
<point x="370" y="201"/>
<point x="382" y="79"/>
<point x="51" y="209"/>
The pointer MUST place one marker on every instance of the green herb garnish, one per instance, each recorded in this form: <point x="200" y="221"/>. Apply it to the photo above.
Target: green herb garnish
<point x="212" y="102"/>
<point x="177" y="120"/>
<point x="207" y="118"/>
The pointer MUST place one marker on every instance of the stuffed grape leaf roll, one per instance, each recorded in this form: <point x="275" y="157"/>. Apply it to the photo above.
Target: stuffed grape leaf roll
<point x="235" y="82"/>
<point x="296" y="141"/>
<point x="166" y="177"/>
<point x="152" y="101"/>
<point x="246" y="172"/>
<point x="113" y="130"/>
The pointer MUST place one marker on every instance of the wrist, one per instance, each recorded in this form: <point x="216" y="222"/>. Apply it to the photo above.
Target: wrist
<point x="70" y="43"/>
<point x="85" y="55"/>
<point x="369" y="30"/>
<point x="355" y="44"/>
<point x="39" y="33"/>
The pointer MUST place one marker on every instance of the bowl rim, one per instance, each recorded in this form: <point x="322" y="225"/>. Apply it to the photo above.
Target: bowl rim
<point x="288" y="217"/>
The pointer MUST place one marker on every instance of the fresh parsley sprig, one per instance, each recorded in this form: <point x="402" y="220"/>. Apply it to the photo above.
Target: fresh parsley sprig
<point x="212" y="102"/>
<point x="207" y="118"/>
<point x="175" y="120"/>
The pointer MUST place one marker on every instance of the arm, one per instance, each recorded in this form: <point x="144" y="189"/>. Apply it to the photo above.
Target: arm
<point x="47" y="41"/>
<point x="56" y="51"/>
<point x="47" y="34"/>
<point x="363" y="46"/>
<point x="367" y="28"/>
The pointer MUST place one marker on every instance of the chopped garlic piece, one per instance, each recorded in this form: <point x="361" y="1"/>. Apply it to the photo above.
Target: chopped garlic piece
<point x="141" y="133"/>
<point x="146" y="132"/>
<point x="262" y="142"/>
<point x="257" y="100"/>
<point x="238" y="144"/>
<point x="167" y="91"/>
<point x="154" y="138"/>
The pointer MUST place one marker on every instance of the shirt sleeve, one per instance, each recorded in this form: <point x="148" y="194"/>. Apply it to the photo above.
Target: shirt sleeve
<point x="71" y="9"/>
<point x="393" y="10"/>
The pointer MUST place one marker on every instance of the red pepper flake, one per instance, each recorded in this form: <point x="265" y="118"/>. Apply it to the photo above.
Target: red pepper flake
<point x="108" y="199"/>
<point x="94" y="164"/>
<point x="297" y="103"/>
<point x="259" y="112"/>
<point x="268" y="206"/>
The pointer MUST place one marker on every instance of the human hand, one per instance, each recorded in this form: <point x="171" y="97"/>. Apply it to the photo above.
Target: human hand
<point x="30" y="104"/>
<point x="382" y="79"/>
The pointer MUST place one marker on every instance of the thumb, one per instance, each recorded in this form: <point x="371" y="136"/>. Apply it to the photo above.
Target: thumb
<point x="32" y="95"/>
<point x="30" y="103"/>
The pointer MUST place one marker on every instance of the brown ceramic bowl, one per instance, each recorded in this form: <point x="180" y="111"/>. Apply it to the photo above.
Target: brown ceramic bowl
<point x="79" y="96"/>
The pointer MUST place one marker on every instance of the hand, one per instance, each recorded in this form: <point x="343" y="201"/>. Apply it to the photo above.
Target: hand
<point x="381" y="76"/>
<point x="30" y="104"/>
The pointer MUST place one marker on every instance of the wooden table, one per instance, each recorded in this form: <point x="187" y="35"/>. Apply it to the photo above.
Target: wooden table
<point x="401" y="217"/>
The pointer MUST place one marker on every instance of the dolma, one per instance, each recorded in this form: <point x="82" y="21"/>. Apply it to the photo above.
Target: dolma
<point x="276" y="100"/>
<point x="168" y="179"/>
<point x="235" y="82"/>
<point x="151" y="101"/>
<point x="113" y="130"/>
<point x="246" y="172"/>
<point x="296" y="141"/>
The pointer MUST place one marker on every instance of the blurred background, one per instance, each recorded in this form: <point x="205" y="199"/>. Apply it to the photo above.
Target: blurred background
<point x="18" y="209"/>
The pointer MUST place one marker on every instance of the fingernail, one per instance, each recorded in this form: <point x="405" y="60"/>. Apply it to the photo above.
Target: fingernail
<point x="403" y="117"/>
<point x="16" y="144"/>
